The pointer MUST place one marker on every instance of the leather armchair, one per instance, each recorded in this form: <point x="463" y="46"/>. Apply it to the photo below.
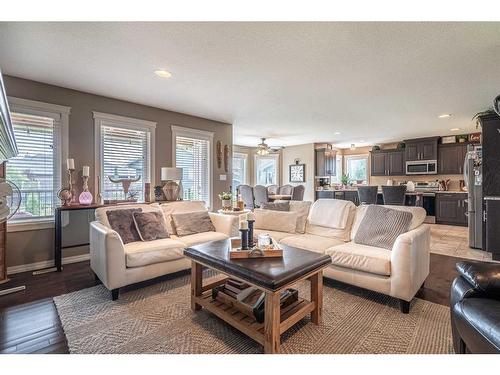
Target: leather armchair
<point x="475" y="308"/>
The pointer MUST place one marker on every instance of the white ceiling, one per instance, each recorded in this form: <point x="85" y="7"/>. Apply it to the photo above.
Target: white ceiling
<point x="291" y="82"/>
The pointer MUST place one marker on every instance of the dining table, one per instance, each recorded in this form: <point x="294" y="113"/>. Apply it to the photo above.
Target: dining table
<point x="279" y="197"/>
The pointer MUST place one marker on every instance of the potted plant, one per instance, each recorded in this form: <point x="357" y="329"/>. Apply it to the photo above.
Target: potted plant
<point x="226" y="198"/>
<point x="345" y="180"/>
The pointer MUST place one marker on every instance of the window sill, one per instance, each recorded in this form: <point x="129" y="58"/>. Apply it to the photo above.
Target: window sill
<point x="23" y="226"/>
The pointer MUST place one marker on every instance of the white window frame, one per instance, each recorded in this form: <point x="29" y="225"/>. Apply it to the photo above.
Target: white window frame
<point x="269" y="156"/>
<point x="358" y="157"/>
<point x="60" y="115"/>
<point x="244" y="156"/>
<point x="106" y="119"/>
<point x="180" y="131"/>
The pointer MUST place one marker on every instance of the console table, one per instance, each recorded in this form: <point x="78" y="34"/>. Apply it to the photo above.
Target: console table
<point x="58" y="247"/>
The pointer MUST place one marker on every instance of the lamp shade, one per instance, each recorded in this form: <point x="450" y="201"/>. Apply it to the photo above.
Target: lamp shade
<point x="171" y="173"/>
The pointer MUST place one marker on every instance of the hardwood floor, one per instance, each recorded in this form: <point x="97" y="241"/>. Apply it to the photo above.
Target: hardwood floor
<point x="29" y="322"/>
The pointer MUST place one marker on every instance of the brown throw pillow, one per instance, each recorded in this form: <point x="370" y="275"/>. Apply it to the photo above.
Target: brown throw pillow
<point x="122" y="222"/>
<point x="192" y="223"/>
<point x="150" y="225"/>
<point x="381" y="226"/>
<point x="276" y="206"/>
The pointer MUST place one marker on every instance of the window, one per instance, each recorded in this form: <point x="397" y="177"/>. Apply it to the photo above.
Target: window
<point x="36" y="170"/>
<point x="266" y="170"/>
<point x="239" y="170"/>
<point x="192" y="150"/>
<point x="357" y="168"/>
<point x="125" y="152"/>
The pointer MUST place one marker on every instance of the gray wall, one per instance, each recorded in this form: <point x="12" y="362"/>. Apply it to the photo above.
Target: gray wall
<point x="33" y="246"/>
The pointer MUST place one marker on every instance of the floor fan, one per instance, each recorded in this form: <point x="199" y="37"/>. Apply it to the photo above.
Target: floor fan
<point x="10" y="200"/>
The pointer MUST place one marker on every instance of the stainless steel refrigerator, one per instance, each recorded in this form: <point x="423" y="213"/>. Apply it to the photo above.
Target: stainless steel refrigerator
<point x="473" y="177"/>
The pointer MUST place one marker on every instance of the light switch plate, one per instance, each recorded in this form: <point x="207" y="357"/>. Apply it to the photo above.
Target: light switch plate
<point x="222" y="177"/>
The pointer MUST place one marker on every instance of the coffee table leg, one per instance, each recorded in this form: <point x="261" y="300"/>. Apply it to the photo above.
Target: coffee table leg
<point x="317" y="297"/>
<point x="196" y="284"/>
<point x="272" y="323"/>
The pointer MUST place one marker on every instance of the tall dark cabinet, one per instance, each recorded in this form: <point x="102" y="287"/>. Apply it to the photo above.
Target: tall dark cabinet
<point x="491" y="181"/>
<point x="388" y="163"/>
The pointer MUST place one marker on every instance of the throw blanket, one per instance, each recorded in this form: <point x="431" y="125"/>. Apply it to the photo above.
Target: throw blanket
<point x="330" y="213"/>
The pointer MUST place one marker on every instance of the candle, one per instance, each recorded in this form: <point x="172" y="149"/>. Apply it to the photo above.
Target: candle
<point x="86" y="171"/>
<point x="251" y="216"/>
<point x="243" y="224"/>
<point x="70" y="163"/>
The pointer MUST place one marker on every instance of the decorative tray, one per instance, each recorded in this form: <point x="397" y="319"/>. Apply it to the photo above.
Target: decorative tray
<point x="272" y="251"/>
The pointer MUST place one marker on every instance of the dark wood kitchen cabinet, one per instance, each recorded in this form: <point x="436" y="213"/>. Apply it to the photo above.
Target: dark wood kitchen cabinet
<point x="347" y="195"/>
<point x="325" y="161"/>
<point x="451" y="208"/>
<point x="388" y="163"/>
<point x="421" y="149"/>
<point x="451" y="158"/>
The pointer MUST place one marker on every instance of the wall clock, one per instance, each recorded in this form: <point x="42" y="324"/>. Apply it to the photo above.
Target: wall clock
<point x="297" y="173"/>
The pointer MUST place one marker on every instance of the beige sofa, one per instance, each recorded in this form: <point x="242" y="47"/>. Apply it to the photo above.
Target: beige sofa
<point x="118" y="265"/>
<point x="399" y="272"/>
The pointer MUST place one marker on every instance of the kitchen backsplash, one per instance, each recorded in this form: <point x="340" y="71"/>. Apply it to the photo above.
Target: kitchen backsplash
<point x="454" y="179"/>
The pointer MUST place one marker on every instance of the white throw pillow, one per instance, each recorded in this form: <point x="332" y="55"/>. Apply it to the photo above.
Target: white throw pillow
<point x="302" y="210"/>
<point x="279" y="221"/>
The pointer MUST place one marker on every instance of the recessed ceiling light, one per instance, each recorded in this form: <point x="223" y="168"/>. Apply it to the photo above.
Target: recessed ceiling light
<point x="337" y="133"/>
<point x="362" y="141"/>
<point x="445" y="115"/>
<point x="454" y="129"/>
<point x="163" y="73"/>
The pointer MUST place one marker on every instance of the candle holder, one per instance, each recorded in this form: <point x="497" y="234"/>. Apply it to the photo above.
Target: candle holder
<point x="250" y="234"/>
<point x="71" y="188"/>
<point x="244" y="239"/>
<point x="85" y="196"/>
<point x="99" y="198"/>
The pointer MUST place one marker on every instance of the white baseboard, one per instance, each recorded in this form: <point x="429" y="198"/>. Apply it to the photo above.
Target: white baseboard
<point x="45" y="264"/>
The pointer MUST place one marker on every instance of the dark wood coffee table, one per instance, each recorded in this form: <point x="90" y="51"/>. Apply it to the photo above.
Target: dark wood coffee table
<point x="271" y="275"/>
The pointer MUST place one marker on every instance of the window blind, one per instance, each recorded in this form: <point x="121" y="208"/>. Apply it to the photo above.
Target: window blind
<point x="125" y="154"/>
<point x="192" y="155"/>
<point x="35" y="170"/>
<point x="239" y="170"/>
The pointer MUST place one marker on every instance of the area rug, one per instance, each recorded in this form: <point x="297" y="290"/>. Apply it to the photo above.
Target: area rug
<point x="158" y="319"/>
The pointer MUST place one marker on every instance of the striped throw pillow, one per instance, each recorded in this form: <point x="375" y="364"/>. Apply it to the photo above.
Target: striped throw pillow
<point x="381" y="226"/>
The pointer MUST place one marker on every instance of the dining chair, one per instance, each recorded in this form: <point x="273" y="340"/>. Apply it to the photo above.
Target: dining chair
<point x="260" y="195"/>
<point x="272" y="189"/>
<point x="394" y="195"/>
<point x="247" y="195"/>
<point x="367" y="194"/>
<point x="298" y="193"/>
<point x="285" y="190"/>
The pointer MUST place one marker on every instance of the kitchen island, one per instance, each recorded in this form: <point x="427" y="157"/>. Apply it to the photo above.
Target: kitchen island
<point x="412" y="197"/>
<point x="442" y="207"/>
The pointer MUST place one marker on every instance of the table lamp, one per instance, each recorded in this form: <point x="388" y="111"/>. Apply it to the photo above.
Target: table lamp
<point x="173" y="185"/>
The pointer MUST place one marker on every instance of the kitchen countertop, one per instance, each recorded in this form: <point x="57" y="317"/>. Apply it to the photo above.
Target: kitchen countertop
<point x="407" y="193"/>
<point x="450" y="191"/>
<point x="379" y="192"/>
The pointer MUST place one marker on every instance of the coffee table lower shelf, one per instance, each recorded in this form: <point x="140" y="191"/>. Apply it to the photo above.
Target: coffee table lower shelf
<point x="289" y="316"/>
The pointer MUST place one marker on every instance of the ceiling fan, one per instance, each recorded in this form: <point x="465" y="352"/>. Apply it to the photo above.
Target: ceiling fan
<point x="264" y="149"/>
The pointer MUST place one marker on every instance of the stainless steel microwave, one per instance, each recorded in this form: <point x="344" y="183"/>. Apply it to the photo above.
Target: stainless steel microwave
<point x="421" y="167"/>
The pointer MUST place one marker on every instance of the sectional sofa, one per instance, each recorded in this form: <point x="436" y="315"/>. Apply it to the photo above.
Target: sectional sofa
<point x="118" y="265"/>
<point x="398" y="272"/>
